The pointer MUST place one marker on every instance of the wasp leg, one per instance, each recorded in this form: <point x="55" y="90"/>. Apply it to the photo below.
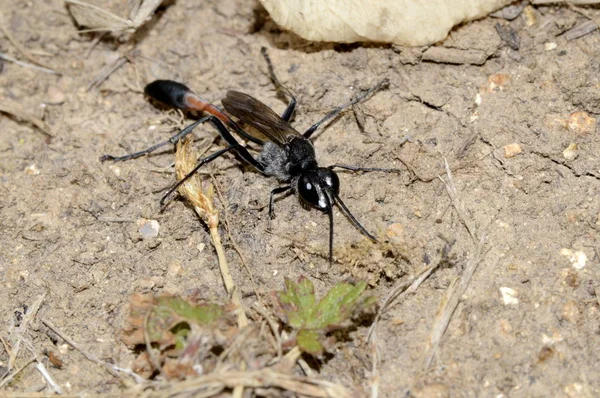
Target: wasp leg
<point x="336" y="111"/>
<point x="289" y="110"/>
<point x="173" y="140"/>
<point x="233" y="145"/>
<point x="358" y="168"/>
<point x="274" y="192"/>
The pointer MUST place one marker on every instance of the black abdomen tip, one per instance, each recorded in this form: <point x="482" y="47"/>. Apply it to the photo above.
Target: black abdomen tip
<point x="168" y="92"/>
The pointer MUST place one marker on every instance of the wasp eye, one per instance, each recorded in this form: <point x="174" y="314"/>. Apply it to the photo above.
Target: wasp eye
<point x="330" y="180"/>
<point x="310" y="192"/>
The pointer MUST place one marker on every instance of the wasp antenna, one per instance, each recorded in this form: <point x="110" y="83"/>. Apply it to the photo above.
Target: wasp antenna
<point x="353" y="219"/>
<point x="168" y="92"/>
<point x="330" y="213"/>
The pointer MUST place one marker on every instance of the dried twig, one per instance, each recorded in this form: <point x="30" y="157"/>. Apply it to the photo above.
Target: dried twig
<point x="112" y="369"/>
<point x="457" y="56"/>
<point x="375" y="378"/>
<point x="16" y="110"/>
<point x="233" y="244"/>
<point x="456" y="291"/>
<point x="23" y="52"/>
<point x="152" y="357"/>
<point x="185" y="162"/>
<point x="581" y="30"/>
<point x="16" y="333"/>
<point x="263" y="312"/>
<point x="27" y="65"/>
<point x="106" y="72"/>
<point x="5" y="345"/>
<point x="46" y="375"/>
<point x="402" y="289"/>
<point x="8" y="378"/>
<point x="205" y="386"/>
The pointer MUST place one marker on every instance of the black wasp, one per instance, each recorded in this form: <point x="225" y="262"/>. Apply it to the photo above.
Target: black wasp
<point x="286" y="154"/>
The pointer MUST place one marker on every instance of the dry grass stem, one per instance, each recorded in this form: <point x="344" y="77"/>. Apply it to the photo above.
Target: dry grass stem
<point x="41" y="67"/>
<point x="107" y="71"/>
<point x="290" y="359"/>
<point x="203" y="202"/>
<point x="27" y="65"/>
<point x="49" y="379"/>
<point x="154" y="361"/>
<point x="375" y="378"/>
<point x="274" y="329"/>
<point x="401" y="290"/>
<point x="112" y="369"/>
<point x="233" y="244"/>
<point x="455" y="291"/>
<point x="9" y="377"/>
<point x="17" y="333"/>
<point x="17" y="111"/>
<point x="211" y="384"/>
<point x="100" y="20"/>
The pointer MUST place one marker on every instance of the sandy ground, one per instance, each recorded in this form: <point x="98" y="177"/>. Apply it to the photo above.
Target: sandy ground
<point x="525" y="164"/>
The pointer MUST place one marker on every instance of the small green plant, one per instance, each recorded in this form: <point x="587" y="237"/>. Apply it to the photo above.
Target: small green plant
<point x="173" y="327"/>
<point x="313" y="320"/>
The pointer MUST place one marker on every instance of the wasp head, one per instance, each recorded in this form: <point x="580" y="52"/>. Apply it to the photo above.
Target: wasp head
<point x="319" y="187"/>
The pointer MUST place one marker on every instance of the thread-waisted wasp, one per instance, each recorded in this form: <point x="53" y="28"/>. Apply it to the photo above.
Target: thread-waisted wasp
<point x="286" y="154"/>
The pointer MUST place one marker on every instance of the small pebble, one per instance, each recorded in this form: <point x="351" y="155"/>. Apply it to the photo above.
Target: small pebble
<point x="550" y="46"/>
<point x="571" y="152"/>
<point x="581" y="123"/>
<point x="512" y="150"/>
<point x="530" y="17"/>
<point x="148" y="228"/>
<point x="578" y="390"/>
<point x="497" y="81"/>
<point x="570" y="312"/>
<point x="55" y="96"/>
<point x="505" y="326"/>
<point x="32" y="170"/>
<point x="509" y="296"/>
<point x="174" y="269"/>
<point x="115" y="169"/>
<point x="551" y="340"/>
<point x="545" y="353"/>
<point x="570" y="278"/>
<point x="577" y="258"/>
<point x="395" y="233"/>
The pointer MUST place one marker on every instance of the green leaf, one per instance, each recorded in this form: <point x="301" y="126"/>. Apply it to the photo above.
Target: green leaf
<point x="167" y="320"/>
<point x="309" y="341"/>
<point x="338" y="305"/>
<point x="202" y="314"/>
<point x="298" y="307"/>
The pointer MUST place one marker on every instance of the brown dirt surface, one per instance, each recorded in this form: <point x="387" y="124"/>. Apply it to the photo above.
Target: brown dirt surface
<point x="519" y="134"/>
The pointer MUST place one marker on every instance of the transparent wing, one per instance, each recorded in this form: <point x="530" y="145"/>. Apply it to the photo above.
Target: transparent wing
<point x="256" y="114"/>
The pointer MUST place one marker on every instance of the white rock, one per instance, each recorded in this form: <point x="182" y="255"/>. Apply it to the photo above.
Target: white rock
<point x="404" y="22"/>
<point x="148" y="228"/>
<point x="509" y="296"/>
<point x="578" y="259"/>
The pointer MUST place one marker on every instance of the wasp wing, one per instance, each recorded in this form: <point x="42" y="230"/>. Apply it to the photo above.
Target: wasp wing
<point x="256" y="114"/>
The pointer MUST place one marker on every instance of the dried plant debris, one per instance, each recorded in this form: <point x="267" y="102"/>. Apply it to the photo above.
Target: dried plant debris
<point x="177" y="334"/>
<point x="98" y="19"/>
<point x="313" y="320"/>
